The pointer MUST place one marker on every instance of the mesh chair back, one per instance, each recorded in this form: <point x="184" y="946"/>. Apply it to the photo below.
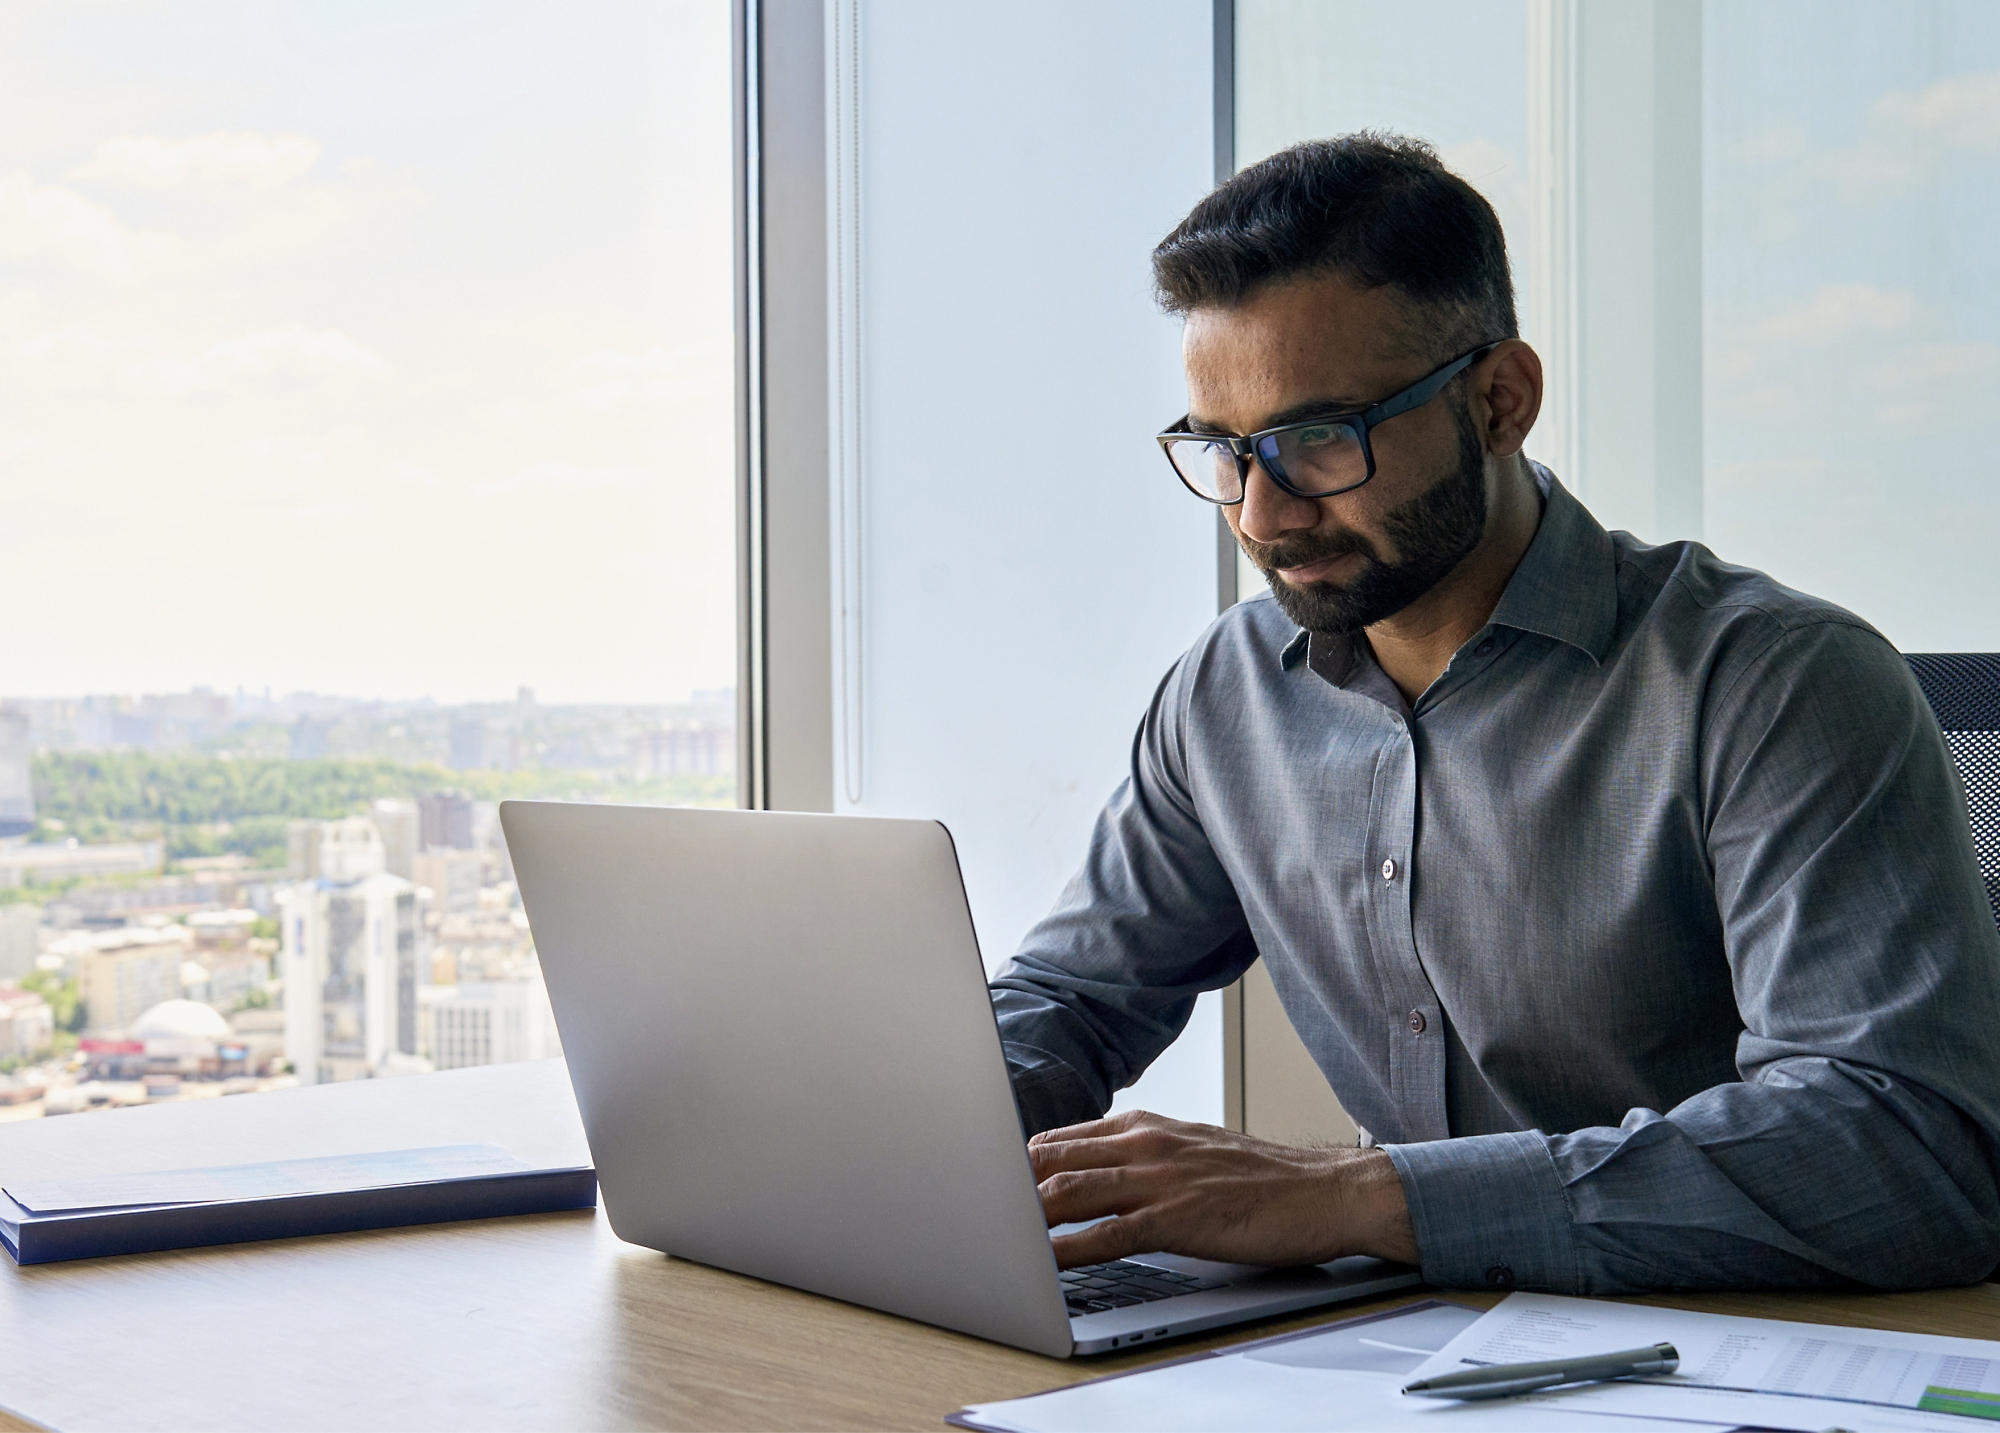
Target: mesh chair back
<point x="1963" y="688"/>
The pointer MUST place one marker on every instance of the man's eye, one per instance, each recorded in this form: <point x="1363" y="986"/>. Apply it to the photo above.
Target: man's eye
<point x="1319" y="437"/>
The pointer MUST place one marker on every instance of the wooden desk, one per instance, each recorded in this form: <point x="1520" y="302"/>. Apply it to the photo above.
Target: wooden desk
<point x="544" y="1322"/>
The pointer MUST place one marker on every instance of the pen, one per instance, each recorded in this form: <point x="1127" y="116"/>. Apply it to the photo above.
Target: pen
<point x="1504" y="1378"/>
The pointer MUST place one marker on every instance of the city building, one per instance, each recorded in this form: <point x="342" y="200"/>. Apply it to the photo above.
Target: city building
<point x="447" y="820"/>
<point x="179" y="1038"/>
<point x="488" y="1022"/>
<point x="17" y="787"/>
<point x="685" y="749"/>
<point x="401" y="829"/>
<point x="20" y="940"/>
<point x="27" y="1025"/>
<point x="453" y="879"/>
<point x="168" y="898"/>
<point x="27" y="865"/>
<point x="484" y="745"/>
<point x="302" y="842"/>
<point x="123" y="973"/>
<point x="352" y="938"/>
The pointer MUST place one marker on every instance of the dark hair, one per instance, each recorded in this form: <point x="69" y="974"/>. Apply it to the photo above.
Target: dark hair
<point x="1371" y="207"/>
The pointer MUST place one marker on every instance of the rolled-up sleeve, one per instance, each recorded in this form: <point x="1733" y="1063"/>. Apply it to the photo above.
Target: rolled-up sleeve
<point x="1859" y="1144"/>
<point x="1109" y="977"/>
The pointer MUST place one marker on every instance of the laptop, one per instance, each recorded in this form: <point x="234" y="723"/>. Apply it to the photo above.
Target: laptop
<point x="778" y="1030"/>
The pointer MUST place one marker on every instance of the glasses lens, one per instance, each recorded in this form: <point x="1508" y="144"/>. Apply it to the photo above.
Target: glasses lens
<point x="1316" y="460"/>
<point x="1208" y="467"/>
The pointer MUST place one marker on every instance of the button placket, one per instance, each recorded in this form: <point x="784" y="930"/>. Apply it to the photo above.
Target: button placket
<point x="1416" y="1058"/>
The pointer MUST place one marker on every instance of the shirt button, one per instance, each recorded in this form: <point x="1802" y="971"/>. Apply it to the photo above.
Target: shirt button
<point x="1499" y="1277"/>
<point x="1483" y="648"/>
<point x="1417" y="1022"/>
<point x="1389" y="870"/>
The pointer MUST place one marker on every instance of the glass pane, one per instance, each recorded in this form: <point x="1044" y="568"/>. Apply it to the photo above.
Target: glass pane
<point x="368" y="459"/>
<point x="1310" y="69"/>
<point x="1852" y="192"/>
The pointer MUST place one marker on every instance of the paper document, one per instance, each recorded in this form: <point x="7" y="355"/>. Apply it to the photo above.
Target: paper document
<point x="1347" y="1376"/>
<point x="1754" y="1371"/>
<point x="336" y="1174"/>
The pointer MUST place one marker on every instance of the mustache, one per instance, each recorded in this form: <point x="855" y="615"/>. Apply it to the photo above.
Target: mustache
<point x="1272" y="557"/>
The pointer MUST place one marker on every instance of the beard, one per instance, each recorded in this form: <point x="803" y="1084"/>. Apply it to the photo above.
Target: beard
<point x="1433" y="531"/>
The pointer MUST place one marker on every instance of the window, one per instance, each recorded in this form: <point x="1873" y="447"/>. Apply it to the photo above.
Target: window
<point x="369" y="459"/>
<point x="1830" y="412"/>
<point x="1851" y="192"/>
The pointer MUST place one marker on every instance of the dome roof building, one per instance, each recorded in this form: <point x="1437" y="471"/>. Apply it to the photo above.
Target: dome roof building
<point x="180" y="1020"/>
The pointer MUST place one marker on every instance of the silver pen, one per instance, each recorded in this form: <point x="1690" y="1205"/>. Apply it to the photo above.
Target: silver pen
<point x="1501" y="1379"/>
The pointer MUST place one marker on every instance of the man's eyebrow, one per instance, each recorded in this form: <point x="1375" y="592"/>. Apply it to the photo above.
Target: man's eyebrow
<point x="1297" y="413"/>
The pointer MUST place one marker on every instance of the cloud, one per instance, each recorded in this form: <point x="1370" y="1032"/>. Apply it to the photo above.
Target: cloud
<point x="1959" y="111"/>
<point x="1849" y="358"/>
<point x="297" y="354"/>
<point x="608" y="379"/>
<point x="80" y="357"/>
<point x="46" y="222"/>
<point x="243" y="158"/>
<point x="1908" y="137"/>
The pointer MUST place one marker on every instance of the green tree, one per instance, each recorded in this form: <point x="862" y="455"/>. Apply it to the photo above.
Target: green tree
<point x="63" y="997"/>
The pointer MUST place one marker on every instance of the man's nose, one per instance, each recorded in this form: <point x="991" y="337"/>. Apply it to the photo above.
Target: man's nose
<point x="1268" y="512"/>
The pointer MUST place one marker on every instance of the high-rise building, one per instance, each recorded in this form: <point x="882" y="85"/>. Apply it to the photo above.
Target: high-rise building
<point x="353" y="938"/>
<point x="489" y="1022"/>
<point x="484" y="745"/>
<point x="20" y="939"/>
<point x="453" y="879"/>
<point x="447" y="821"/>
<point x="302" y="840"/>
<point x="401" y="832"/>
<point x="17" y="789"/>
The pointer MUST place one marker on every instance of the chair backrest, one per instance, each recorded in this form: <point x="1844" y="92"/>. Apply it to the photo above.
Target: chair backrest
<point x="1963" y="688"/>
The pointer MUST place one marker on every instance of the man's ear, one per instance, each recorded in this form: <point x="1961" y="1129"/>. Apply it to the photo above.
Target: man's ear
<point x="1509" y="379"/>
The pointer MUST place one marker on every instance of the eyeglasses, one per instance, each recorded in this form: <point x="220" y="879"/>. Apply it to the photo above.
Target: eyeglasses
<point x="1314" y="459"/>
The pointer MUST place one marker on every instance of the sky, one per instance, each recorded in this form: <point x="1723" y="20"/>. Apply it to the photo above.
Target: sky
<point x="371" y="348"/>
<point x="1852" y="324"/>
<point x="1851" y="317"/>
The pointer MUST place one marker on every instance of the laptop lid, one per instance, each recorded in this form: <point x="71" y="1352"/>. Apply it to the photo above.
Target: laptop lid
<point x="779" y="1033"/>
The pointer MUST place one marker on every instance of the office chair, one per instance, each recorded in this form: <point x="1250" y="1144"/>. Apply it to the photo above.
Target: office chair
<point x="1963" y="688"/>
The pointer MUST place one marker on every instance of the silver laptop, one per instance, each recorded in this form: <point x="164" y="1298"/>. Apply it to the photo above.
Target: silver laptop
<point x="779" y="1033"/>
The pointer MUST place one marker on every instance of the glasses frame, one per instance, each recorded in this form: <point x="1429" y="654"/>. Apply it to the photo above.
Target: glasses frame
<point x="1263" y="445"/>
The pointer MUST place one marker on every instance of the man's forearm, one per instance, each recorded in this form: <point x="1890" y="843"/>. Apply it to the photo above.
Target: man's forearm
<point x="1817" y="1180"/>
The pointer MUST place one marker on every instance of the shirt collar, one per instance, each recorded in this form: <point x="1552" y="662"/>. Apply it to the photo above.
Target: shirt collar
<point x="1565" y="588"/>
<point x="1567" y="584"/>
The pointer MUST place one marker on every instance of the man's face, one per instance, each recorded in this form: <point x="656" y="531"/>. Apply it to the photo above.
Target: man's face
<point x="1311" y="348"/>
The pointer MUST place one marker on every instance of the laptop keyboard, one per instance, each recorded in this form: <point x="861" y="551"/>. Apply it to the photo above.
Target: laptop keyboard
<point x="1122" y="1283"/>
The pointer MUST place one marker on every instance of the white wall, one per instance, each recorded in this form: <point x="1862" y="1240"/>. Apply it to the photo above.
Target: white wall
<point x="1015" y="567"/>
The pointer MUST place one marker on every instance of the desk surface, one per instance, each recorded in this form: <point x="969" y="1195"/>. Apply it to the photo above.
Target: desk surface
<point x="543" y="1322"/>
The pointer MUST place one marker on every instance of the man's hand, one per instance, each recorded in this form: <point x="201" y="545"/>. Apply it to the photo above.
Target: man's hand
<point x="1214" y="1194"/>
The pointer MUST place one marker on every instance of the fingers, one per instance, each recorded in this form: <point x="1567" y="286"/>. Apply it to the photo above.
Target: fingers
<point x="1076" y="1195"/>
<point x="1099" y="1244"/>
<point x="1100" y="1153"/>
<point x="1091" y="1129"/>
<point x="1119" y="1140"/>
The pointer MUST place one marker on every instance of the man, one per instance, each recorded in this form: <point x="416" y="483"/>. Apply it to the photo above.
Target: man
<point x="1625" y="898"/>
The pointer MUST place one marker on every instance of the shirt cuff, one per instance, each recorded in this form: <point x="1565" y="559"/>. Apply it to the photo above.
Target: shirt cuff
<point x="1489" y="1212"/>
<point x="1047" y="1093"/>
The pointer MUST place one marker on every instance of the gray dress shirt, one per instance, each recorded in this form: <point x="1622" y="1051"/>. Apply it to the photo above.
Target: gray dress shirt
<point x="1650" y="943"/>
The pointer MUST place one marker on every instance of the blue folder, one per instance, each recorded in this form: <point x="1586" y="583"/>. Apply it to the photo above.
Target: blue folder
<point x="43" y="1220"/>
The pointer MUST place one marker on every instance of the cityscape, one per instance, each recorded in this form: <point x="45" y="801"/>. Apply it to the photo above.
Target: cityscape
<point x="207" y="894"/>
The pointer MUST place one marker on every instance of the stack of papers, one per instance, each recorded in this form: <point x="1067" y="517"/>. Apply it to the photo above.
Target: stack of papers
<point x="1733" y="1372"/>
<point x="1742" y="1371"/>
